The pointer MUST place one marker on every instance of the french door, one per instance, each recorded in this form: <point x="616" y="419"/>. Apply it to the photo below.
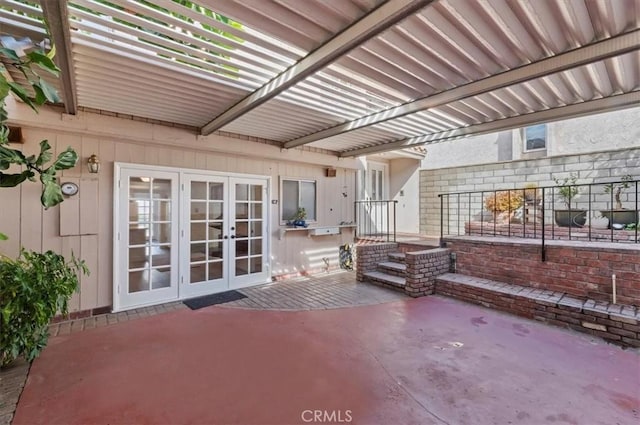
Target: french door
<point x="185" y="234"/>
<point x="225" y="236"/>
<point x="146" y="238"/>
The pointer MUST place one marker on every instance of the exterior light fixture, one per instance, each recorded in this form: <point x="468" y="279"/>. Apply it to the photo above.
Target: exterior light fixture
<point x="93" y="163"/>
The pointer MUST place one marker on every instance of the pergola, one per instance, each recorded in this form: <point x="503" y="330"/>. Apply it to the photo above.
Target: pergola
<point x="352" y="77"/>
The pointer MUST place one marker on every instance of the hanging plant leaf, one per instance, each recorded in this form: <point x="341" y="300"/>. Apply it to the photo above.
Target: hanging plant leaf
<point x="45" y="153"/>
<point x="19" y="91"/>
<point x="44" y="62"/>
<point x="12" y="180"/>
<point x="51" y="192"/>
<point x="49" y="92"/>
<point x="67" y="159"/>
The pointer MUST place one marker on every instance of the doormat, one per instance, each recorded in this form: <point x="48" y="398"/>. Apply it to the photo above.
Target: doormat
<point x="207" y="300"/>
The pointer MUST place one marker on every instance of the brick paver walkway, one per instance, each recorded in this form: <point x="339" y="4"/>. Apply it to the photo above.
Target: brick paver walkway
<point x="327" y="291"/>
<point x="321" y="292"/>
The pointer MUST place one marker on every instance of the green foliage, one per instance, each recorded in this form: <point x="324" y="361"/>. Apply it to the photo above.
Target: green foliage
<point x="567" y="188"/>
<point x="37" y="93"/>
<point x="34" y="287"/>
<point x="504" y="201"/>
<point x="301" y="214"/>
<point x="618" y="188"/>
<point x="632" y="226"/>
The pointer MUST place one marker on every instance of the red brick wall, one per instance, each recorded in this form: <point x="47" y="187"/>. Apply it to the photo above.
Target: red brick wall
<point x="580" y="269"/>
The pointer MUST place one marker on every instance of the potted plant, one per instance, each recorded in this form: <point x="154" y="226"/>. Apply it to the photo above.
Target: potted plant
<point x="619" y="215"/>
<point x="567" y="190"/>
<point x="298" y="220"/>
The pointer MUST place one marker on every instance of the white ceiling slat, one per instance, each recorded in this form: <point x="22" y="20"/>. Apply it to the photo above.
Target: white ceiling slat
<point x="388" y="14"/>
<point x="198" y="57"/>
<point x="276" y="49"/>
<point x="550" y="115"/>
<point x="438" y="55"/>
<point x="95" y="52"/>
<point x="615" y="46"/>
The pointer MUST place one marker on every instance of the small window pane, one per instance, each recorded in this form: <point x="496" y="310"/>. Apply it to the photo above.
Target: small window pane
<point x="256" y="192"/>
<point x="289" y="199"/>
<point x="198" y="209"/>
<point x="535" y="137"/>
<point x="216" y="191"/>
<point x="198" y="273"/>
<point x="242" y="192"/>
<point x="161" y="189"/>
<point x="215" y="270"/>
<point x="198" y="190"/>
<point x="308" y="199"/>
<point x="256" y="229"/>
<point x="161" y="278"/>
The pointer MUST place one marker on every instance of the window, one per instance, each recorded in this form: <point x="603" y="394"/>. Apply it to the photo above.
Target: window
<point x="296" y="194"/>
<point x="535" y="137"/>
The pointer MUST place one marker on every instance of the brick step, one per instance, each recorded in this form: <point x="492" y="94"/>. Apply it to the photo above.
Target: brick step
<point x="614" y="322"/>
<point x="397" y="257"/>
<point x="391" y="267"/>
<point x="386" y="279"/>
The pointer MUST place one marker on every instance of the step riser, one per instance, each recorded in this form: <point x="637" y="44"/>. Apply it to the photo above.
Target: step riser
<point x="385" y="284"/>
<point x="396" y="258"/>
<point x="391" y="271"/>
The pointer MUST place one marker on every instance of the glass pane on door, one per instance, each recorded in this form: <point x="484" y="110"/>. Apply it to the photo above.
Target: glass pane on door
<point x="248" y="227"/>
<point x="149" y="234"/>
<point x="206" y="224"/>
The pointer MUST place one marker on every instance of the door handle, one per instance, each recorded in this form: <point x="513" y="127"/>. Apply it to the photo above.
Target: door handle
<point x="233" y="236"/>
<point x="225" y="237"/>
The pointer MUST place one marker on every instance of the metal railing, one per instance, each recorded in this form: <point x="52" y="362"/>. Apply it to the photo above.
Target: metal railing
<point x="376" y="220"/>
<point x="605" y="211"/>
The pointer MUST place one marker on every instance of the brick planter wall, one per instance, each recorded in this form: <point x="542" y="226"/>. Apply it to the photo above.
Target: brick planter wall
<point x="422" y="269"/>
<point x="369" y="255"/>
<point x="575" y="268"/>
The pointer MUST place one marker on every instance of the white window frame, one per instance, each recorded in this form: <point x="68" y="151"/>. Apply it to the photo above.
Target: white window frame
<point x="283" y="220"/>
<point x="524" y="139"/>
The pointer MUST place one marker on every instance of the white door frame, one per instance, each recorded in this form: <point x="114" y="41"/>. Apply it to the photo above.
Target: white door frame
<point x="120" y="212"/>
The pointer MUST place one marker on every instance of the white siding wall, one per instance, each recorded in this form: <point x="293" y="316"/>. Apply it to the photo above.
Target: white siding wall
<point x="122" y="140"/>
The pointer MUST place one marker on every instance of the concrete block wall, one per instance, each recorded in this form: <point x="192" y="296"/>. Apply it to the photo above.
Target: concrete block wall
<point x="369" y="255"/>
<point x="574" y="268"/>
<point x="423" y="267"/>
<point x="589" y="168"/>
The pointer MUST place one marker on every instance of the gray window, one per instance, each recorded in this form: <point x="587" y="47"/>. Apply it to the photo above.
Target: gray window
<point x="298" y="194"/>
<point x="535" y="137"/>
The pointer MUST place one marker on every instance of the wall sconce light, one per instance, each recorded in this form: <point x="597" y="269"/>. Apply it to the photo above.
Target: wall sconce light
<point x="93" y="163"/>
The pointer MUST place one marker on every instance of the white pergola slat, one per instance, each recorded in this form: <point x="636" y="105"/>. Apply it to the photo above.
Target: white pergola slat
<point x="350" y="76"/>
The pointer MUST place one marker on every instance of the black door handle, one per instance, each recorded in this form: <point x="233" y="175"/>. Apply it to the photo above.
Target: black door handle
<point x="225" y="237"/>
<point x="233" y="236"/>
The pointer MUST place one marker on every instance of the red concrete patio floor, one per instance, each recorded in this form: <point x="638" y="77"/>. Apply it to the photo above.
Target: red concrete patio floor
<point x="421" y="361"/>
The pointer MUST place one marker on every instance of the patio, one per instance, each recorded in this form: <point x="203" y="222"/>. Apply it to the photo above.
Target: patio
<point x="429" y="360"/>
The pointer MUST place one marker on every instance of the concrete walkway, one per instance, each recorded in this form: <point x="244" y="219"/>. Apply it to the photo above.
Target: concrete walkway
<point x="415" y="361"/>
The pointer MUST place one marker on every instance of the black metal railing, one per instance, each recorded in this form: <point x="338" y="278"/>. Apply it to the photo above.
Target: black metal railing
<point x="606" y="211"/>
<point x="376" y="220"/>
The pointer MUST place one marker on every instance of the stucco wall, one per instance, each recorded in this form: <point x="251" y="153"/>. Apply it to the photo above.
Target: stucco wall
<point x="404" y="187"/>
<point x="116" y="139"/>
<point x="594" y="133"/>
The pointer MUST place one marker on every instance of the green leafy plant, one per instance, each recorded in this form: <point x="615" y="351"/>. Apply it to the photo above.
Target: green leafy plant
<point x="301" y="214"/>
<point x="34" y="287"/>
<point x="618" y="188"/>
<point x="632" y="226"/>
<point x="567" y="188"/>
<point x="35" y="94"/>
